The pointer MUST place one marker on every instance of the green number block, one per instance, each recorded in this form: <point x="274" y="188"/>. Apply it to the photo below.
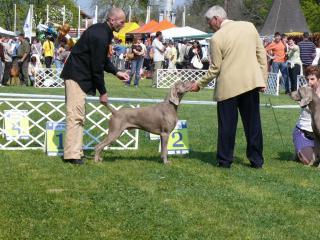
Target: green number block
<point x="55" y="132"/>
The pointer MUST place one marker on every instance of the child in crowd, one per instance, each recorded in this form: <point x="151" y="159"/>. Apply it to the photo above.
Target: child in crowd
<point x="32" y="69"/>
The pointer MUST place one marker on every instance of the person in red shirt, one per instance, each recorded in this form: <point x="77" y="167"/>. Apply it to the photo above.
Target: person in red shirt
<point x="278" y="49"/>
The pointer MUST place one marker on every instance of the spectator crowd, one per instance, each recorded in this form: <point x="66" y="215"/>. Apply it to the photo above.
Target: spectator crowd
<point x="20" y="59"/>
<point x="143" y="57"/>
<point x="291" y="58"/>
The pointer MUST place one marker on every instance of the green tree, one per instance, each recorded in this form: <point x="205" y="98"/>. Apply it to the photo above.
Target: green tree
<point x="311" y="10"/>
<point x="250" y="10"/>
<point x="256" y="11"/>
<point x="7" y="11"/>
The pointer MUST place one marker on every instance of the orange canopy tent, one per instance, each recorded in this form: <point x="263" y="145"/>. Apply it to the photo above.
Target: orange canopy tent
<point x="165" y="24"/>
<point x="144" y="28"/>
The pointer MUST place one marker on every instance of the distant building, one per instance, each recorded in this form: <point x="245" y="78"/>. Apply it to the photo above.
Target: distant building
<point x="285" y="16"/>
<point x="165" y="8"/>
<point x="86" y="21"/>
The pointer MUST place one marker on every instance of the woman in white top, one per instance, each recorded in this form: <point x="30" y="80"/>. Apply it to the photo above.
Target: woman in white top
<point x="317" y="57"/>
<point x="303" y="138"/>
<point x="294" y="63"/>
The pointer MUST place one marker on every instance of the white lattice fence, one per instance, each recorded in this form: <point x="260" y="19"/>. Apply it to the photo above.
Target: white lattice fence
<point x="48" y="78"/>
<point x="167" y="77"/>
<point x="42" y="109"/>
<point x="301" y="81"/>
<point x="272" y="84"/>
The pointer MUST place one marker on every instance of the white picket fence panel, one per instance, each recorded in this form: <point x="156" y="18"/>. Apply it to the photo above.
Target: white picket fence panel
<point x="51" y="108"/>
<point x="273" y="84"/>
<point x="48" y="78"/>
<point x="301" y="81"/>
<point x="167" y="77"/>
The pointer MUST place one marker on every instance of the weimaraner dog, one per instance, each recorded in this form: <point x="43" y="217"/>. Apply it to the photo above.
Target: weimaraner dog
<point x="159" y="119"/>
<point x="307" y="97"/>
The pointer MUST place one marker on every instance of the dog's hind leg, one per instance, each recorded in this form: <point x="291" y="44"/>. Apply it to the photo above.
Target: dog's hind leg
<point x="307" y="156"/>
<point x="164" y="147"/>
<point x="112" y="136"/>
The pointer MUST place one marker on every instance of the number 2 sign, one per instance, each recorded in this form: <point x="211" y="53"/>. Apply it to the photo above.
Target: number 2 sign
<point x="178" y="142"/>
<point x="55" y="132"/>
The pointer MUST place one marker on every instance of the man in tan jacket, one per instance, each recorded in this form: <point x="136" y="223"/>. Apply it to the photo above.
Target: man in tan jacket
<point x="239" y="66"/>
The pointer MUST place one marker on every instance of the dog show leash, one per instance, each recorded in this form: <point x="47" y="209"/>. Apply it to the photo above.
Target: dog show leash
<point x="277" y="123"/>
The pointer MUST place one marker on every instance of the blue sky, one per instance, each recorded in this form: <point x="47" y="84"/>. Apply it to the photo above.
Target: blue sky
<point x="85" y="5"/>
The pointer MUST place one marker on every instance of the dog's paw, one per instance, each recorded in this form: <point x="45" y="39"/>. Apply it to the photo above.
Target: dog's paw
<point x="97" y="159"/>
<point x="167" y="162"/>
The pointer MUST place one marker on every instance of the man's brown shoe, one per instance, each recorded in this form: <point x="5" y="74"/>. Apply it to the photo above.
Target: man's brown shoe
<point x="74" y="161"/>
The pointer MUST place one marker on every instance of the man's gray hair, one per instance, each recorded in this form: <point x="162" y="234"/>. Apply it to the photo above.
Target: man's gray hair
<point x="216" y="11"/>
<point x="114" y="12"/>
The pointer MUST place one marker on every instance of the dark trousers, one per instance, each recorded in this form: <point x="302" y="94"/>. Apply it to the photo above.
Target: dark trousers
<point x="48" y="62"/>
<point x="6" y="74"/>
<point x="304" y="68"/>
<point x="282" y="67"/>
<point x="293" y="75"/>
<point x="136" y="65"/>
<point x="24" y="76"/>
<point x="248" y="104"/>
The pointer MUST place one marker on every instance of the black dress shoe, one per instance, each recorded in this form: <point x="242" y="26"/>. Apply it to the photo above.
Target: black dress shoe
<point x="223" y="165"/>
<point x="74" y="161"/>
<point x="255" y="166"/>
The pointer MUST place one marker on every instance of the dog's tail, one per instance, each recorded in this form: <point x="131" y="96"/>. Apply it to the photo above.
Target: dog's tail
<point x="111" y="109"/>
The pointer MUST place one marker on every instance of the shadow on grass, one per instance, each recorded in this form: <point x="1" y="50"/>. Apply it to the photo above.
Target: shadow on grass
<point x="207" y="157"/>
<point x="112" y="156"/>
<point x="211" y="158"/>
<point x="285" y="156"/>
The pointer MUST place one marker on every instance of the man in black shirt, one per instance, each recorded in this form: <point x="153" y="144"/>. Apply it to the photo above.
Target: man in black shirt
<point x="83" y="74"/>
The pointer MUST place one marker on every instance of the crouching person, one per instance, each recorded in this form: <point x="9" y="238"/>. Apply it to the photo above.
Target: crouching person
<point x="303" y="137"/>
<point x="33" y="67"/>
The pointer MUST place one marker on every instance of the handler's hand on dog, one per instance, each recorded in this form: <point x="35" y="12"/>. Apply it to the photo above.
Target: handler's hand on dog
<point x="123" y="76"/>
<point x="195" y="87"/>
<point x="104" y="99"/>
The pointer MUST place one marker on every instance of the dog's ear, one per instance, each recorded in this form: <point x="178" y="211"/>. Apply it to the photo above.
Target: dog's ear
<point x="174" y="98"/>
<point x="306" y="96"/>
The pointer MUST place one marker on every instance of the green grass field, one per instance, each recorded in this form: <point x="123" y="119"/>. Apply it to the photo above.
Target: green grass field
<point x="132" y="195"/>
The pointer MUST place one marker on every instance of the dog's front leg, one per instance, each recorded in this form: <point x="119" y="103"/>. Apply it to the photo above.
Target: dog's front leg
<point x="164" y="147"/>
<point x="98" y="149"/>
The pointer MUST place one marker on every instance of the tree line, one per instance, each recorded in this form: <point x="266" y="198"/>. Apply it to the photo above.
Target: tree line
<point x="250" y="10"/>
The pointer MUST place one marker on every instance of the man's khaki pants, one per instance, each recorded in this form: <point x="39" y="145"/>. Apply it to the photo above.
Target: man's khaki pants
<point x="157" y="65"/>
<point x="75" y="118"/>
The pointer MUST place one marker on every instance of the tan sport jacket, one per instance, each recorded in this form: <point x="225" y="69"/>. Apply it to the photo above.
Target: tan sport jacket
<point x="239" y="61"/>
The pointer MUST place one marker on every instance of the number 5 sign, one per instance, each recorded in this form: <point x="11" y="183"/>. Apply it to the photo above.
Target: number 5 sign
<point x="178" y="142"/>
<point x="16" y="124"/>
<point x="54" y="138"/>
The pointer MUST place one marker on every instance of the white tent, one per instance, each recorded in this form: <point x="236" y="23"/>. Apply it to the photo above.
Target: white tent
<point x="7" y="33"/>
<point x="180" y="32"/>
